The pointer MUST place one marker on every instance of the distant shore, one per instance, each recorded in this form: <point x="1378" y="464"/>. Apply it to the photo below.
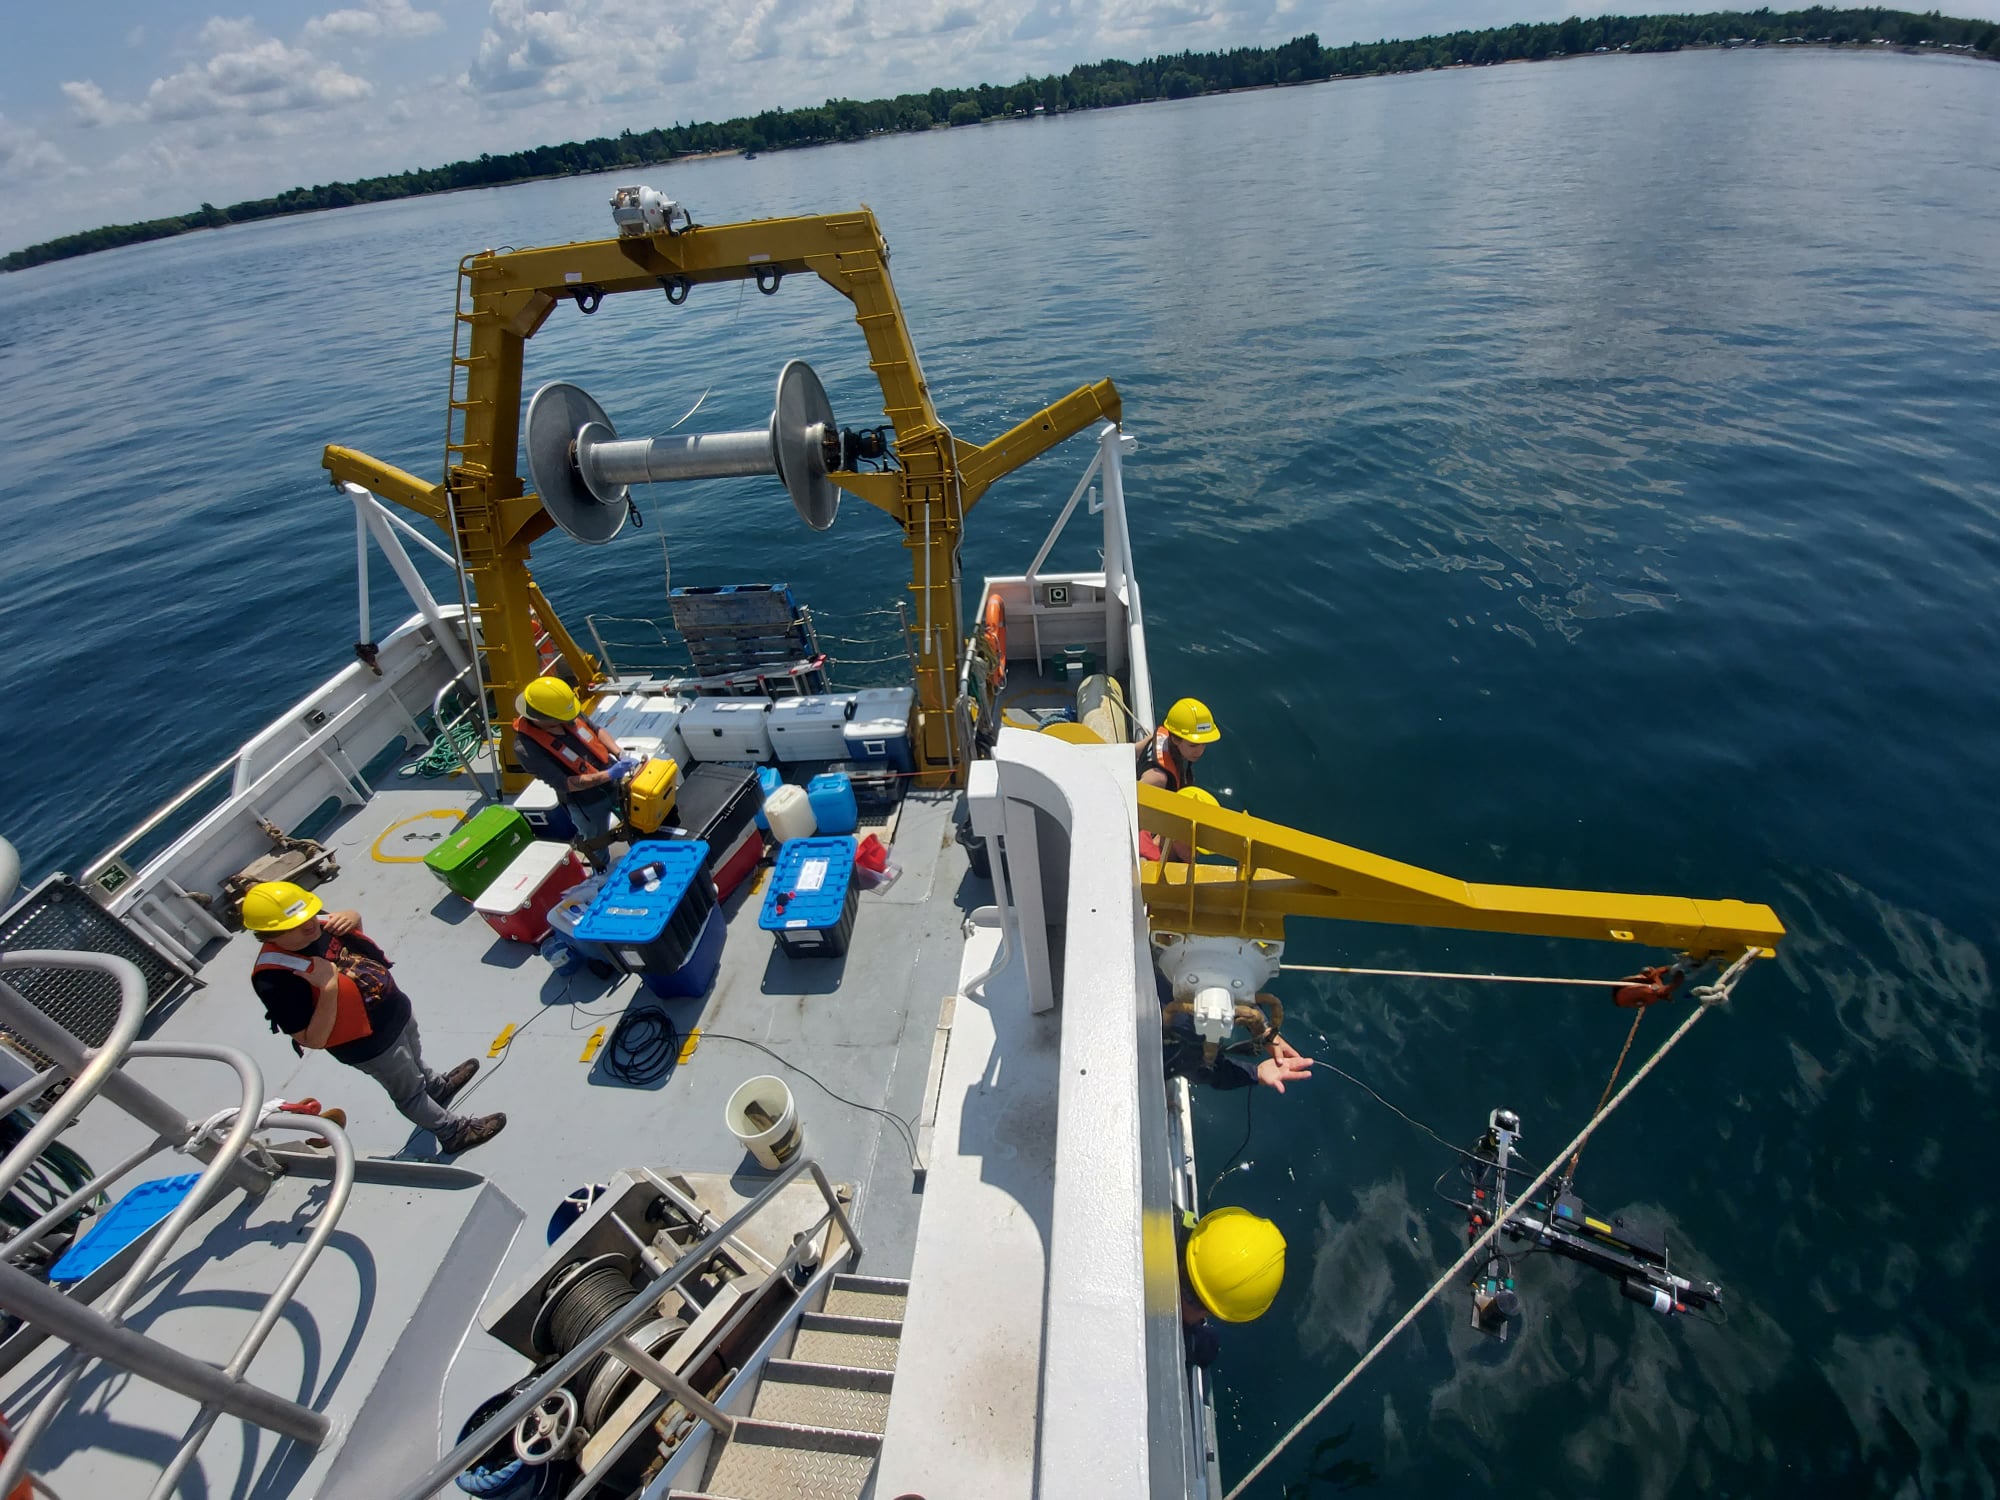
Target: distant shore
<point x="1105" y="85"/>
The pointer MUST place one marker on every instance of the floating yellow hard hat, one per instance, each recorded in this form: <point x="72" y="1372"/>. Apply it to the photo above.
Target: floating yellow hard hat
<point x="1197" y="794"/>
<point x="279" y="906"/>
<point x="552" y="698"/>
<point x="1190" y="720"/>
<point x="1236" y="1263"/>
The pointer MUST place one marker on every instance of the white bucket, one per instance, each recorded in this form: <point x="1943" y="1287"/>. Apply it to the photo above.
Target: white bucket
<point x="777" y="1143"/>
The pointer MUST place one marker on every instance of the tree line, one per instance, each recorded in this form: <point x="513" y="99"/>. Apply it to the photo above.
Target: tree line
<point x="1103" y="85"/>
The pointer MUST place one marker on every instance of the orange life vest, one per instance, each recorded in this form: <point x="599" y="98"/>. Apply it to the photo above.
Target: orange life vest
<point x="579" y="746"/>
<point x="1157" y="754"/>
<point x="350" y="1018"/>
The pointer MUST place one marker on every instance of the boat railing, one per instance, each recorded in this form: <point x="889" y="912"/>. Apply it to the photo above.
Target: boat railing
<point x="1117" y="624"/>
<point x="95" y="1330"/>
<point x="614" y="1336"/>
<point x="448" y="727"/>
<point x="663" y="652"/>
<point x="314" y="755"/>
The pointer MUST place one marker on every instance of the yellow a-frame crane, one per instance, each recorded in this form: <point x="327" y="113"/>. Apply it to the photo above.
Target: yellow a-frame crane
<point x="481" y="504"/>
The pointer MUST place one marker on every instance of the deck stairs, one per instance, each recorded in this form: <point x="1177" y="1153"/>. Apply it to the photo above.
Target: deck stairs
<point x="815" y="1429"/>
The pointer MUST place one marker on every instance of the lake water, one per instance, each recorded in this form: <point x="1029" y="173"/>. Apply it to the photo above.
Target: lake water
<point x="1568" y="474"/>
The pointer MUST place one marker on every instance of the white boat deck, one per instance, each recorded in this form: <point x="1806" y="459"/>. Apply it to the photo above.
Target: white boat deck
<point x="861" y="1025"/>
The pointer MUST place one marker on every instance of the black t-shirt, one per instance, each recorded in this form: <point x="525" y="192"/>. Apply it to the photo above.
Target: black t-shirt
<point x="543" y="766"/>
<point x="289" y="1000"/>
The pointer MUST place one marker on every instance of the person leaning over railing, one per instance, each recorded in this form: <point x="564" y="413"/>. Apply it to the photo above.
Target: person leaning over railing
<point x="326" y="984"/>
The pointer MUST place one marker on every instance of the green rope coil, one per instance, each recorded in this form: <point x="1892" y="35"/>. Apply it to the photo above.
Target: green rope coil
<point x="456" y="744"/>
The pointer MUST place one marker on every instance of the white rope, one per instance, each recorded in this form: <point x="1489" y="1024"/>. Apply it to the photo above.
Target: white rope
<point x="1612" y="984"/>
<point x="1709" y="996"/>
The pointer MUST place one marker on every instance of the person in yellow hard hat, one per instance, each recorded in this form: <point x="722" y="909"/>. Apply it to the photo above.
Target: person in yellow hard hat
<point x="583" y="763"/>
<point x="327" y="986"/>
<point x="1167" y="759"/>
<point x="1232" y="1265"/>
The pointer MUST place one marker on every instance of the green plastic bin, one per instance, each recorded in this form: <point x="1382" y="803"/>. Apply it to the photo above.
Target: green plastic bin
<point x="483" y="846"/>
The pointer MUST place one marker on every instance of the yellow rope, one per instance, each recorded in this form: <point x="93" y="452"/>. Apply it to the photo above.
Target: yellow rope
<point x="454" y="813"/>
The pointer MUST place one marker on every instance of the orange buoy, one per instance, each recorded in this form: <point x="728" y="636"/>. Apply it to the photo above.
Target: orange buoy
<point x="995" y="627"/>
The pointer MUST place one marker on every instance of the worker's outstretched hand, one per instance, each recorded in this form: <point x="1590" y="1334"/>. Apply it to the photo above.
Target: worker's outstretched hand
<point x="340" y="923"/>
<point x="1285" y="1065"/>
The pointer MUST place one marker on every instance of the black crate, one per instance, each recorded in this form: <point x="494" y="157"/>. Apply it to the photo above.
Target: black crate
<point x="667" y="935"/>
<point x="717" y="802"/>
<point x="822" y="942"/>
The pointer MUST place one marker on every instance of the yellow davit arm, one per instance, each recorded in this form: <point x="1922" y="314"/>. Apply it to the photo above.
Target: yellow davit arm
<point x="1301" y="874"/>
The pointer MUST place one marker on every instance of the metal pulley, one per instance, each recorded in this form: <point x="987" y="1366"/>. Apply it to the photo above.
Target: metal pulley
<point x="583" y="469"/>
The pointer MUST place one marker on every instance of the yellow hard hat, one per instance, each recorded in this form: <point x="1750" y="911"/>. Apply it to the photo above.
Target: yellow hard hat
<point x="552" y="698"/>
<point x="1197" y="794"/>
<point x="1190" y="720"/>
<point x="1236" y="1263"/>
<point x="279" y="906"/>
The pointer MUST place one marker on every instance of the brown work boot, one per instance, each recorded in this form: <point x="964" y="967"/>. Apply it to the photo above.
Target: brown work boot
<point x="476" y="1131"/>
<point x="449" y="1085"/>
<point x="336" y="1116"/>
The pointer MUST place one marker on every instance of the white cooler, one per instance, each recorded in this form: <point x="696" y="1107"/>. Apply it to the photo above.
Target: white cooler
<point x="645" y="724"/>
<point x="810" y="728"/>
<point x="880" y="729"/>
<point x="727" y="729"/>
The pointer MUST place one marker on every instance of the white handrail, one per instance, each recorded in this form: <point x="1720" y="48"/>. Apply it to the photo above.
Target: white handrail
<point x="1112" y="444"/>
<point x="1049" y="542"/>
<point x="111" y="1311"/>
<point x="281" y="1295"/>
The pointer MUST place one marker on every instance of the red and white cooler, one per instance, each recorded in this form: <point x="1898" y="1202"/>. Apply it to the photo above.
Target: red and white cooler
<point x="516" y="905"/>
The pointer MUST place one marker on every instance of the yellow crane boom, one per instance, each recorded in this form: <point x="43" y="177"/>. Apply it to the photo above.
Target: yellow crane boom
<point x="1280" y="872"/>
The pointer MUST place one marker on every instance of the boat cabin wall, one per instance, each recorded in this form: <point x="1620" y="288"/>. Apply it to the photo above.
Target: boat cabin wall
<point x="1084" y="616"/>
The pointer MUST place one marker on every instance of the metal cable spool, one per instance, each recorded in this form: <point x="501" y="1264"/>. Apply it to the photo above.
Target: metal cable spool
<point x="579" y="1301"/>
<point x="615" y="1379"/>
<point x="584" y="471"/>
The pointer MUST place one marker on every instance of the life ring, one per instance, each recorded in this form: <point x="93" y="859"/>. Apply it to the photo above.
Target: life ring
<point x="995" y="628"/>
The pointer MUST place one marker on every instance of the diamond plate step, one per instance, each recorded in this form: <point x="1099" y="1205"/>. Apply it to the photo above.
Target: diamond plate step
<point x="840" y="1396"/>
<point x="769" y="1460"/>
<point x="840" y="1339"/>
<point x="868" y="1297"/>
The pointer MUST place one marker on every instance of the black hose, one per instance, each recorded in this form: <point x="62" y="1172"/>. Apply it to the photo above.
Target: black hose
<point x="643" y="1049"/>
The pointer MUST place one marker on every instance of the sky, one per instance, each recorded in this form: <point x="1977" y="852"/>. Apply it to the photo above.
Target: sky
<point x="120" y="110"/>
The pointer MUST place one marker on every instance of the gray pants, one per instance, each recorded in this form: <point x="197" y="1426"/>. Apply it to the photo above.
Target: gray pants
<point x="409" y="1084"/>
<point x="595" y="823"/>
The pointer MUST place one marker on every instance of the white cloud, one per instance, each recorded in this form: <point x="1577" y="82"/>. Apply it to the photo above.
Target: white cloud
<point x="245" y="74"/>
<point x="93" y="108"/>
<point x="26" y="154"/>
<point x="378" y="20"/>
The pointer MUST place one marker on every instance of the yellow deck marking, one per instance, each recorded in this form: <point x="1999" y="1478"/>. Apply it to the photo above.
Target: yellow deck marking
<point x="500" y="1042"/>
<point x="688" y="1046"/>
<point x="454" y="813"/>
<point x="590" y="1047"/>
